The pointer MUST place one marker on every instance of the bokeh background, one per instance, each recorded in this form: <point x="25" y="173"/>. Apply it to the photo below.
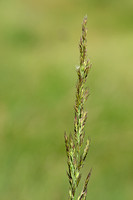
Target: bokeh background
<point x="38" y="54"/>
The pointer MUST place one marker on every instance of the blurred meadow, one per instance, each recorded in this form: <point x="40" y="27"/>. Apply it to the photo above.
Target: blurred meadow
<point x="38" y="54"/>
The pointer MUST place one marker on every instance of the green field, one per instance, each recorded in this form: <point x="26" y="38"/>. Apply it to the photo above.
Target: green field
<point x="38" y="54"/>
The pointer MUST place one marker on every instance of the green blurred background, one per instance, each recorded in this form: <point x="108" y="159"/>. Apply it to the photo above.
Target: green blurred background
<point x="38" y="54"/>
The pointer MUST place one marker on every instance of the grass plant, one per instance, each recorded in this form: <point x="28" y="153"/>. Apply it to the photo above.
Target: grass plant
<point x="76" y="152"/>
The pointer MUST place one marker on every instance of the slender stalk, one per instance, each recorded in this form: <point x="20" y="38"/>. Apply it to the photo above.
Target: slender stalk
<point x="74" y="142"/>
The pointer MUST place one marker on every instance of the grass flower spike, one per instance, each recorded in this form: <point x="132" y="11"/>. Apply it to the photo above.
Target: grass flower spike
<point x="76" y="152"/>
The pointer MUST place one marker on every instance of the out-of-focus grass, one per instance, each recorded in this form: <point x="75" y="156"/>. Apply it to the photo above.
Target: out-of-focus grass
<point x="39" y="51"/>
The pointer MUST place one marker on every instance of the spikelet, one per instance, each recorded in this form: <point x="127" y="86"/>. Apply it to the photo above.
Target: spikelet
<point x="76" y="156"/>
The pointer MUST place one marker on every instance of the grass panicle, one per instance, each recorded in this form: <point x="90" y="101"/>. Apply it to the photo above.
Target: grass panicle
<point x="76" y="155"/>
